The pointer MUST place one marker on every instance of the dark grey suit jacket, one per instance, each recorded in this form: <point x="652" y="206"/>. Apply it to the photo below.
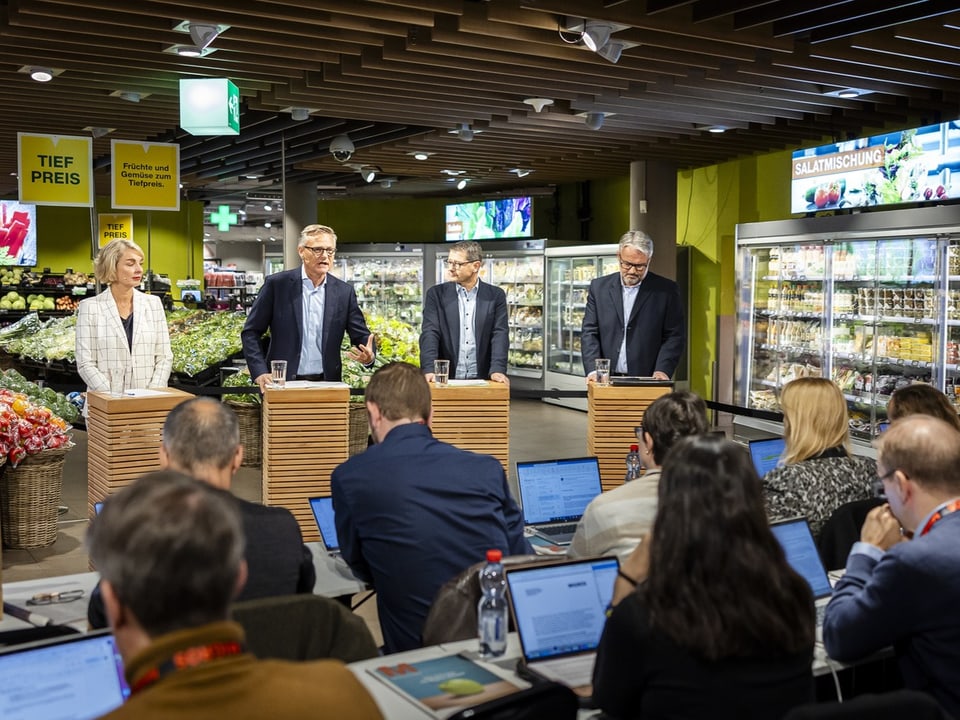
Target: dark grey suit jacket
<point x="655" y="329"/>
<point x="279" y="308"/>
<point x="440" y="331"/>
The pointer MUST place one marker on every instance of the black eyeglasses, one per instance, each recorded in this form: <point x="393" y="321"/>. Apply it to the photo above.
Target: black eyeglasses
<point x="886" y="475"/>
<point x="454" y="265"/>
<point x="57" y="597"/>
<point x="329" y="252"/>
<point x="639" y="267"/>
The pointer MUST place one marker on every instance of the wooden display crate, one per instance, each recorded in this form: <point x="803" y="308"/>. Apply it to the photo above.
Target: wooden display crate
<point x="474" y="417"/>
<point x="612" y="415"/>
<point x="123" y="438"/>
<point x="305" y="433"/>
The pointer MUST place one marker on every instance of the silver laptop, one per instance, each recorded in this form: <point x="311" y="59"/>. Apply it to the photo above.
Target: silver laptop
<point x="554" y="494"/>
<point x="801" y="550"/>
<point x="74" y="676"/>
<point x="559" y="610"/>
<point x="323" y="513"/>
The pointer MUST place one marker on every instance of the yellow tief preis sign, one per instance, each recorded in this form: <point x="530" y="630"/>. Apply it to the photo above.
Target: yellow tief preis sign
<point x="55" y="169"/>
<point x="114" y="226"/>
<point x="145" y="176"/>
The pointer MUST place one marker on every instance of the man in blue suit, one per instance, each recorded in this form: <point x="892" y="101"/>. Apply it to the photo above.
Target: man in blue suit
<point x="901" y="592"/>
<point x="465" y="321"/>
<point x="307" y="311"/>
<point x="633" y="317"/>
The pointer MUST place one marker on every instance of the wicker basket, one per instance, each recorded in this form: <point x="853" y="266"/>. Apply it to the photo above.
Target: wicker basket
<point x="251" y="431"/>
<point x="30" y="498"/>
<point x="359" y="428"/>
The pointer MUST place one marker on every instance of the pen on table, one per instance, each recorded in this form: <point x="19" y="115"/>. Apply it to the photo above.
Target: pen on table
<point x="31" y="617"/>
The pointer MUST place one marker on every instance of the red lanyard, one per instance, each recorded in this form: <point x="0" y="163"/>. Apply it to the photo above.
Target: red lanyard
<point x="941" y="511"/>
<point x="190" y="657"/>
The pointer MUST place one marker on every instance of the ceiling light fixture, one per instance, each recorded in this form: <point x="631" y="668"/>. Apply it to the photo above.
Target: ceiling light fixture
<point x="716" y="129"/>
<point x="538" y="103"/>
<point x="41" y="74"/>
<point x="611" y="51"/>
<point x="596" y="34"/>
<point x="300" y="113"/>
<point x="268" y="224"/>
<point x="453" y="173"/>
<point x="368" y="174"/>
<point x="465" y="133"/>
<point x="98" y="132"/>
<point x="133" y="97"/>
<point x="202" y="35"/>
<point x="462" y="183"/>
<point x="848" y="93"/>
<point x="521" y="172"/>
<point x="387" y="182"/>
<point x="268" y="207"/>
<point x="420" y="154"/>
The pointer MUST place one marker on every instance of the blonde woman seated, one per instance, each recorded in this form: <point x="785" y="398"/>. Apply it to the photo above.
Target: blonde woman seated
<point x="614" y="521"/>
<point x="818" y="472"/>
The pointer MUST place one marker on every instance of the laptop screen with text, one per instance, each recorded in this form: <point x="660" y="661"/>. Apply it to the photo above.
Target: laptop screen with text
<point x="801" y="551"/>
<point x="323" y="513"/>
<point x="557" y="490"/>
<point x="766" y="454"/>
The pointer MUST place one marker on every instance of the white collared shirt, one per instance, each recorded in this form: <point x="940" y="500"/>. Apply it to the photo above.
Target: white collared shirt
<point x="629" y="298"/>
<point x="314" y="299"/>
<point x="467" y="357"/>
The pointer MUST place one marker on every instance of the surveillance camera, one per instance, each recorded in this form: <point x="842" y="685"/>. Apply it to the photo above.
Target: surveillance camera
<point x="341" y="147"/>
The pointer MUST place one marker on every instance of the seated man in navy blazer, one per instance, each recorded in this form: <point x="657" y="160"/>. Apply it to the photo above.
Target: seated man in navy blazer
<point x="465" y="321"/>
<point x="904" y="592"/>
<point x="633" y="317"/>
<point x="307" y="312"/>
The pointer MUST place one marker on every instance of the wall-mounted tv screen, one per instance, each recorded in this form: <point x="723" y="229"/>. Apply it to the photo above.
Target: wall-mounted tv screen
<point x="490" y="219"/>
<point x="18" y="233"/>
<point x="909" y="166"/>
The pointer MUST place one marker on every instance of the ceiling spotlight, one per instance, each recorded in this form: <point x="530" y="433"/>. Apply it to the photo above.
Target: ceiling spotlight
<point x="202" y="34"/>
<point x="596" y="34"/>
<point x="98" y="132"/>
<point x="133" y="97"/>
<point x="259" y="239"/>
<point x="538" y="104"/>
<point x="521" y="172"/>
<point x="611" y="51"/>
<point x="462" y="183"/>
<point x="848" y="93"/>
<point x="453" y="173"/>
<point x="368" y="174"/>
<point x="268" y="224"/>
<point x="717" y="129"/>
<point x="41" y="74"/>
<point x="268" y="207"/>
<point x="387" y="182"/>
<point x="299" y="113"/>
<point x="594" y="120"/>
<point x="241" y="212"/>
<point x="420" y="154"/>
<point x="464" y="132"/>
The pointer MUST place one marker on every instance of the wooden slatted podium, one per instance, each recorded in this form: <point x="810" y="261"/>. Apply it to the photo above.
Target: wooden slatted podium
<point x="474" y="417"/>
<point x="123" y="438"/>
<point x="612" y="415"/>
<point x="305" y="432"/>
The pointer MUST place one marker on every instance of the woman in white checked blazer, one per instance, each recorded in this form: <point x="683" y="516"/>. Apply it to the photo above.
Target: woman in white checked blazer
<point x="122" y="327"/>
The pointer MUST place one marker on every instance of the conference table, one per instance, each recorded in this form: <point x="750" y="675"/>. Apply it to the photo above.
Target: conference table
<point x="334" y="579"/>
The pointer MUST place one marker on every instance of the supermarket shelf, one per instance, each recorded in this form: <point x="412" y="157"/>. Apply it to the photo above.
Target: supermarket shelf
<point x="870" y="359"/>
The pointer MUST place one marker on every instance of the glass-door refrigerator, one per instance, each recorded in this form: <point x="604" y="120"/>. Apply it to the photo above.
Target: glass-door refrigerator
<point x="872" y="302"/>
<point x="569" y="273"/>
<point x="388" y="281"/>
<point x="517" y="268"/>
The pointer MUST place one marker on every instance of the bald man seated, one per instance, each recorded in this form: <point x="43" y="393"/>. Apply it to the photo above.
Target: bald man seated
<point x="201" y="438"/>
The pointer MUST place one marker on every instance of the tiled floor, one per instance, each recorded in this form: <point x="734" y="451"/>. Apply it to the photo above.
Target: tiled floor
<point x="538" y="431"/>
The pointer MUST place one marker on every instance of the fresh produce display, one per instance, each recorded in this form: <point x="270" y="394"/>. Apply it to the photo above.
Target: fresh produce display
<point x="27" y="429"/>
<point x="54" y="340"/>
<point x="27" y="325"/>
<point x="40" y="302"/>
<point x="200" y="339"/>
<point x="78" y="278"/>
<point x="11" y="275"/>
<point x="49" y="398"/>
<point x="396" y="342"/>
<point x="242" y="379"/>
<point x="66" y="304"/>
<point x="14" y="301"/>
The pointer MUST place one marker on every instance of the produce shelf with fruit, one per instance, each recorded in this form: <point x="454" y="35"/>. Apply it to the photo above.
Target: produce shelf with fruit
<point x="49" y="294"/>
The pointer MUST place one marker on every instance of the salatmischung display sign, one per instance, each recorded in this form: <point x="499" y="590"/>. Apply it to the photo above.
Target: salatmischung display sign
<point x="909" y="166"/>
<point x="55" y="169"/>
<point x="145" y="176"/>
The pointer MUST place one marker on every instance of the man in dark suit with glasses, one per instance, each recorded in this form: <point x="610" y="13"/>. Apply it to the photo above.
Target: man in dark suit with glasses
<point x="633" y="317"/>
<point x="307" y="312"/>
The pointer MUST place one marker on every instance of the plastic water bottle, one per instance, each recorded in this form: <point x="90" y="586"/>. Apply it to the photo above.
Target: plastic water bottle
<point x="492" y="608"/>
<point x="633" y="463"/>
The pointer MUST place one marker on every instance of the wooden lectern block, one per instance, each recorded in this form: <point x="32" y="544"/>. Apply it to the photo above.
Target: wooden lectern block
<point x="305" y="436"/>
<point x="612" y="415"/>
<point x="474" y="417"/>
<point x="123" y="438"/>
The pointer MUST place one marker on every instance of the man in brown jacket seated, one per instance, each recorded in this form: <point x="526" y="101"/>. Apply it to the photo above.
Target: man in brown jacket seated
<point x="170" y="554"/>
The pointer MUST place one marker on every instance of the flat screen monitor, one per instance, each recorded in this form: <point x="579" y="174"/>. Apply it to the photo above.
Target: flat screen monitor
<point x="18" y="233"/>
<point x="490" y="219"/>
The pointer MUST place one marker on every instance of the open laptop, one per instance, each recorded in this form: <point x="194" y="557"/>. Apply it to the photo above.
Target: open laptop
<point x="323" y="513"/>
<point x="554" y="494"/>
<point x="801" y="550"/>
<point x="766" y="453"/>
<point x="74" y="676"/>
<point x="559" y="610"/>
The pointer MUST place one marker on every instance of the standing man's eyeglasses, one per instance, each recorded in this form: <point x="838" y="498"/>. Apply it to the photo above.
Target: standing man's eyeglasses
<point x="454" y="265"/>
<point x="639" y="267"/>
<point x="329" y="252"/>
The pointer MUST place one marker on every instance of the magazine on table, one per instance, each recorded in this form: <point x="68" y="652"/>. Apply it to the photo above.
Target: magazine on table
<point x="444" y="685"/>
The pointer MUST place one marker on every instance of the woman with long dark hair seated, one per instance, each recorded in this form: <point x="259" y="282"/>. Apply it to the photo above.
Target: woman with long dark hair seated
<point x="709" y="619"/>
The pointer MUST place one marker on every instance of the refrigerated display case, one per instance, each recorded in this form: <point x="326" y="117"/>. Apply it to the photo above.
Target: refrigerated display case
<point x="871" y="301"/>
<point x="569" y="273"/>
<point x="519" y="272"/>
<point x="388" y="283"/>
